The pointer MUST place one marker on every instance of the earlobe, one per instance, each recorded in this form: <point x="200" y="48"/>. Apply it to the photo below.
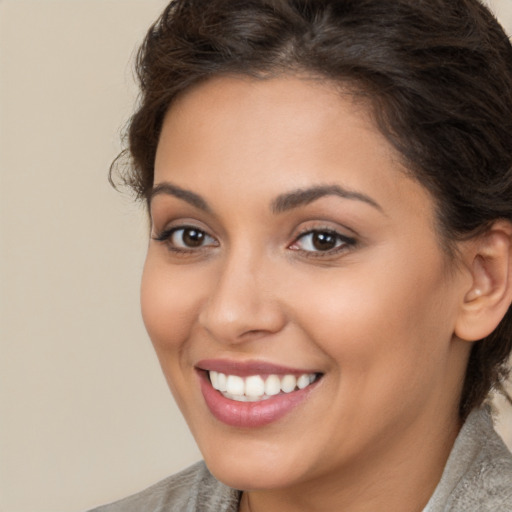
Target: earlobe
<point x="485" y="303"/>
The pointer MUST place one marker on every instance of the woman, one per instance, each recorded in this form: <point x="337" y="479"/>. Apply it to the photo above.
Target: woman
<point x="328" y="279"/>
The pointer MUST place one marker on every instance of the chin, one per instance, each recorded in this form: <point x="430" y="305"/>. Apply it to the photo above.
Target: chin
<point x="249" y="464"/>
<point x="248" y="475"/>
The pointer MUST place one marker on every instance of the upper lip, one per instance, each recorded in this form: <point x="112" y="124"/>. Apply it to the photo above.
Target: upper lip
<point x="246" y="368"/>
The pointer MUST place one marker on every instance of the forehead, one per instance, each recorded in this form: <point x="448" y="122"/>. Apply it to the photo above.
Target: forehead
<point x="235" y="135"/>
<point x="266" y="118"/>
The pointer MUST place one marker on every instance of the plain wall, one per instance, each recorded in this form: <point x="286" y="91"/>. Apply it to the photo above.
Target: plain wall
<point x="85" y="414"/>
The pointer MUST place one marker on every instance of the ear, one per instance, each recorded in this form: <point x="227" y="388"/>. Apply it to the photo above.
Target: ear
<point x="488" y="257"/>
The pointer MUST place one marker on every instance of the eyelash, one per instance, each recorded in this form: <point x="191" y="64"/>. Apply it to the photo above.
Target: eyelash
<point x="343" y="242"/>
<point x="166" y="236"/>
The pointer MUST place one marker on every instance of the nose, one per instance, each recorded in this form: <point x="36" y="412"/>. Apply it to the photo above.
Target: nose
<point x="242" y="305"/>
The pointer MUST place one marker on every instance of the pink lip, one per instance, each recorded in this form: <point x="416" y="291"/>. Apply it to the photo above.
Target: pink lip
<point x="250" y="414"/>
<point x="246" y="368"/>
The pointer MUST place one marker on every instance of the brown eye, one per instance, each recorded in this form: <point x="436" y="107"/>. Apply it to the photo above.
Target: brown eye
<point x="190" y="238"/>
<point x="323" y="241"/>
<point x="318" y="241"/>
<point x="193" y="237"/>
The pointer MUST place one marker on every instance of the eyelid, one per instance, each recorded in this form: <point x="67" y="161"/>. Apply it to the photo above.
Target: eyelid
<point x="343" y="242"/>
<point x="347" y="242"/>
<point x="169" y="224"/>
<point x="164" y="236"/>
<point x="324" y="227"/>
<point x="164" y="216"/>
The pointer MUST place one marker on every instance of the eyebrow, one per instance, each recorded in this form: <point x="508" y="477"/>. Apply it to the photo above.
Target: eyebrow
<point x="282" y="203"/>
<point x="192" y="198"/>
<point x="304" y="196"/>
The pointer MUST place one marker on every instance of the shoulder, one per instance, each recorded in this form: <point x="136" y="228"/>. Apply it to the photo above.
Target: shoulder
<point x="487" y="484"/>
<point x="193" y="489"/>
<point x="478" y="474"/>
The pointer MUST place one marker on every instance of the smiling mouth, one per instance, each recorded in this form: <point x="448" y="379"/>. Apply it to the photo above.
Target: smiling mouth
<point x="253" y="394"/>
<point x="256" y="388"/>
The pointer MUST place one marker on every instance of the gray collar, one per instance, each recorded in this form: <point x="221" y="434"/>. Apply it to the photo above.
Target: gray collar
<point x="478" y="474"/>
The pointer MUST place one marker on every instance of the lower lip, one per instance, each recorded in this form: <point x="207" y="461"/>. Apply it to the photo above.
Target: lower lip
<point x="250" y="414"/>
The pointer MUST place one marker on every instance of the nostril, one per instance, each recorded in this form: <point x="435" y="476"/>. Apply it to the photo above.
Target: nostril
<point x="233" y="321"/>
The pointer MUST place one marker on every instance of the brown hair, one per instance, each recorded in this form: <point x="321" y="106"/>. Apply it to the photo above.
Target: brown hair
<point x="438" y="74"/>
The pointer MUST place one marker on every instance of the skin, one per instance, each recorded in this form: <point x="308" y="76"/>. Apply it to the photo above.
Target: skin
<point x="376" y="315"/>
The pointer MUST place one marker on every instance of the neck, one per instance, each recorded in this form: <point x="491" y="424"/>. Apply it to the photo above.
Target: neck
<point x="400" y="475"/>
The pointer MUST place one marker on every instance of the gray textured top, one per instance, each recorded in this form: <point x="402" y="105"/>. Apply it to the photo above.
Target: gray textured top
<point x="477" y="478"/>
<point x="478" y="474"/>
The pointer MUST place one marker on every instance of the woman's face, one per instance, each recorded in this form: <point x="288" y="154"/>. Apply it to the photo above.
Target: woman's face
<point x="293" y="263"/>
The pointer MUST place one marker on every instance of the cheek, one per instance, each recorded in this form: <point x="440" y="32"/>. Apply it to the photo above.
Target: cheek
<point x="169" y="301"/>
<point x="391" y="321"/>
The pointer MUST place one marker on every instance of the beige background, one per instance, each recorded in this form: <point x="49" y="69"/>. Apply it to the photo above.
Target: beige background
<point x="85" y="415"/>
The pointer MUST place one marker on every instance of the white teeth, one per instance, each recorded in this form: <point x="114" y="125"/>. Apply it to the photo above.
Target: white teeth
<point x="237" y="398"/>
<point x="288" y="383"/>
<point x="235" y="385"/>
<point x="222" y="382"/>
<point x="256" y="387"/>
<point x="303" y="381"/>
<point x="214" y="378"/>
<point x="272" y="385"/>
